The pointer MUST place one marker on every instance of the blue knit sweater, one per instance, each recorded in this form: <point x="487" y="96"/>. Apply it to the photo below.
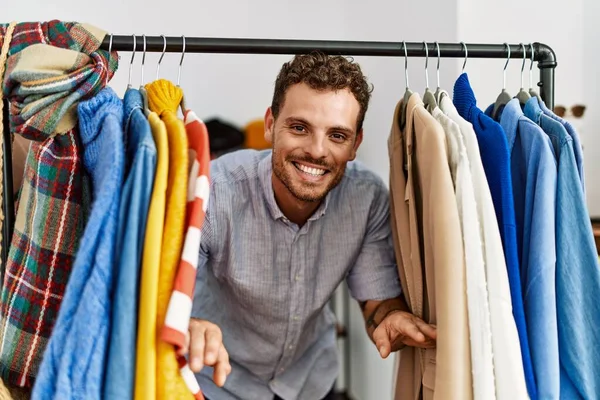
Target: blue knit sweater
<point x="495" y="156"/>
<point x="74" y="360"/>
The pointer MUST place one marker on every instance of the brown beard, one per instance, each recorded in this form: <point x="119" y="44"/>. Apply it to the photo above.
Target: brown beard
<point x="284" y="177"/>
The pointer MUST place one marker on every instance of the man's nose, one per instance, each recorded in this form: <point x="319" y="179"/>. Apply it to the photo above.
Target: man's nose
<point x="317" y="147"/>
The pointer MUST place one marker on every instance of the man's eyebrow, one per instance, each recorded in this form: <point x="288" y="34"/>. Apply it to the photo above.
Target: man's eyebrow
<point x="341" y="128"/>
<point x="297" y="120"/>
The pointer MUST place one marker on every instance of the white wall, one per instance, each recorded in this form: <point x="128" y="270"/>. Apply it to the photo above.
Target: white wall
<point x="591" y="97"/>
<point x="571" y="31"/>
<point x="238" y="88"/>
<point x="515" y="21"/>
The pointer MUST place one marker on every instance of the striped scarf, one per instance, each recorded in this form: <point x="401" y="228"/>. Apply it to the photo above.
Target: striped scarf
<point x="52" y="66"/>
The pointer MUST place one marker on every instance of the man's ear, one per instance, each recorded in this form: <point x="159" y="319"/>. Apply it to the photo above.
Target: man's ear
<point x="269" y="125"/>
<point x="357" y="142"/>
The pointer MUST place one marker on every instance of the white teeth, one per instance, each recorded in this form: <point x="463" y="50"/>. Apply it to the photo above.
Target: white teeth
<point x="312" y="171"/>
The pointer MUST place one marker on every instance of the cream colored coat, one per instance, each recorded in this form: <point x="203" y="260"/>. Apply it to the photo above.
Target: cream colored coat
<point x="429" y="250"/>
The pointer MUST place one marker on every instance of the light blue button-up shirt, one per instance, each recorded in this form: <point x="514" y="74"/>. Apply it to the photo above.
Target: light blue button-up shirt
<point x="534" y="177"/>
<point x="266" y="282"/>
<point x="577" y="270"/>
<point x="577" y="148"/>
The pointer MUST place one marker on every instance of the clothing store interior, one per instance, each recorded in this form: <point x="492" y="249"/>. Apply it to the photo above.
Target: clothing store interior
<point x="256" y="200"/>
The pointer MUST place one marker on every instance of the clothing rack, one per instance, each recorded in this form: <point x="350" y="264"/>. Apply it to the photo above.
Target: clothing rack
<point x="542" y="54"/>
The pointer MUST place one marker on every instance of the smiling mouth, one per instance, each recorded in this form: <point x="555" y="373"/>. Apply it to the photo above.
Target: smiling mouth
<point x="316" y="172"/>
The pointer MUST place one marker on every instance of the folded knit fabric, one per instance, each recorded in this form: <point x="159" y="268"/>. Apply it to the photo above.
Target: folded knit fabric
<point x="52" y="66"/>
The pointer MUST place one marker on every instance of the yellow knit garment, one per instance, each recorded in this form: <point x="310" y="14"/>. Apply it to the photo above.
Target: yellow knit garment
<point x="164" y="99"/>
<point x="145" y="366"/>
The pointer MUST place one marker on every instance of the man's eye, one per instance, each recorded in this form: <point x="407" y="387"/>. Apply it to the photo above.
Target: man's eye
<point x="298" y="128"/>
<point x="338" y="136"/>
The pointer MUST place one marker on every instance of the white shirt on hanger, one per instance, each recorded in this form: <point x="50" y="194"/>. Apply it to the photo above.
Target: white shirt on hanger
<point x="477" y="292"/>
<point x="508" y="367"/>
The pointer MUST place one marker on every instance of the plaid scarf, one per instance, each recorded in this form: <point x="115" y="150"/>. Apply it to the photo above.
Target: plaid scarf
<point x="51" y="67"/>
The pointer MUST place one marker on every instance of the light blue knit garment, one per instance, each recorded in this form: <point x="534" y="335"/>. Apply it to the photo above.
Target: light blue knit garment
<point x="74" y="361"/>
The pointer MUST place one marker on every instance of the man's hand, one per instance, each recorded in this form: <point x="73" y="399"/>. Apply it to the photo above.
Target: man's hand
<point x="205" y="347"/>
<point x="399" y="329"/>
<point x="391" y="326"/>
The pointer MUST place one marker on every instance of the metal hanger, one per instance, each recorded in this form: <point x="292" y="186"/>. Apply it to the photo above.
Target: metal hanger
<point x="428" y="97"/>
<point x="466" y="56"/>
<point x="143" y="61"/>
<point x="532" y="92"/>
<point x="503" y="98"/>
<point x="439" y="93"/>
<point x="523" y="96"/>
<point x="181" y="61"/>
<point x="162" y="55"/>
<point x="407" y="92"/>
<point x="109" y="52"/>
<point x="182" y="104"/>
<point x="131" y="62"/>
<point x="146" y="108"/>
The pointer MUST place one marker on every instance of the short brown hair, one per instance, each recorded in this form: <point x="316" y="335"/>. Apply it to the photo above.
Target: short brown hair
<point x="323" y="72"/>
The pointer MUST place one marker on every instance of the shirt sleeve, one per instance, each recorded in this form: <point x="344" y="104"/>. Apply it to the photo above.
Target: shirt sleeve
<point x="207" y="237"/>
<point x="374" y="276"/>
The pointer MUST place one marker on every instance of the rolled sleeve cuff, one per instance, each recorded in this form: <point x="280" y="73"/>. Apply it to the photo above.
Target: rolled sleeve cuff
<point x="375" y="285"/>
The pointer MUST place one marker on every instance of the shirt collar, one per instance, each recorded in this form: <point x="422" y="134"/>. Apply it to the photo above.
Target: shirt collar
<point x="265" y="173"/>
<point x="532" y="110"/>
<point x="510" y="119"/>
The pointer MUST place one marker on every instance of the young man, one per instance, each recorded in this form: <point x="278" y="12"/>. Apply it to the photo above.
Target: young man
<point x="284" y="228"/>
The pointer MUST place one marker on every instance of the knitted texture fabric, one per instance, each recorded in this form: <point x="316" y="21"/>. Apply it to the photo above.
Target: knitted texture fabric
<point x="74" y="361"/>
<point x="180" y="306"/>
<point x="51" y="67"/>
<point x="3" y="56"/>
<point x="164" y="98"/>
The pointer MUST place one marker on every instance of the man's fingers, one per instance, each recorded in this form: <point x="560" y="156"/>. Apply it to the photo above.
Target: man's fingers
<point x="213" y="343"/>
<point x="223" y="368"/>
<point x="197" y="345"/>
<point x="427" y="329"/>
<point x="428" y="344"/>
<point x="411" y="330"/>
<point x="182" y="351"/>
<point x="382" y="341"/>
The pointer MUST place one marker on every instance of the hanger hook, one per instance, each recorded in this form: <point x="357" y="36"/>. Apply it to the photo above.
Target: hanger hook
<point x="426" y="63"/>
<point x="143" y="61"/>
<point x="162" y="55"/>
<point x="132" y="58"/>
<point x="531" y="66"/>
<point x="181" y="61"/>
<point x="110" y="44"/>
<point x="466" y="56"/>
<point x="523" y="65"/>
<point x="437" y="45"/>
<point x="405" y="63"/>
<point x="109" y="53"/>
<point x="505" y="65"/>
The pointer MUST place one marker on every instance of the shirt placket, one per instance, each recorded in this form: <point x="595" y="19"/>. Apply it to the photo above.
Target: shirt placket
<point x="297" y="297"/>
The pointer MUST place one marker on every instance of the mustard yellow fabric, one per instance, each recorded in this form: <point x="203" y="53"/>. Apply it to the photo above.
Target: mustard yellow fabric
<point x="164" y="99"/>
<point x="145" y="370"/>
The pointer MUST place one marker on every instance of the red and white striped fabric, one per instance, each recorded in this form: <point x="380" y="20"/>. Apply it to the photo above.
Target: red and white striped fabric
<point x="180" y="305"/>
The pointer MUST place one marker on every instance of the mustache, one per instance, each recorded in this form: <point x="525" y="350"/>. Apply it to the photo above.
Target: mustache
<point x="309" y="160"/>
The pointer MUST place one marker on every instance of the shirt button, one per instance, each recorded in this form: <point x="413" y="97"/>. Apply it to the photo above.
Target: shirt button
<point x="297" y="277"/>
<point x="296" y="318"/>
<point x="291" y="347"/>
